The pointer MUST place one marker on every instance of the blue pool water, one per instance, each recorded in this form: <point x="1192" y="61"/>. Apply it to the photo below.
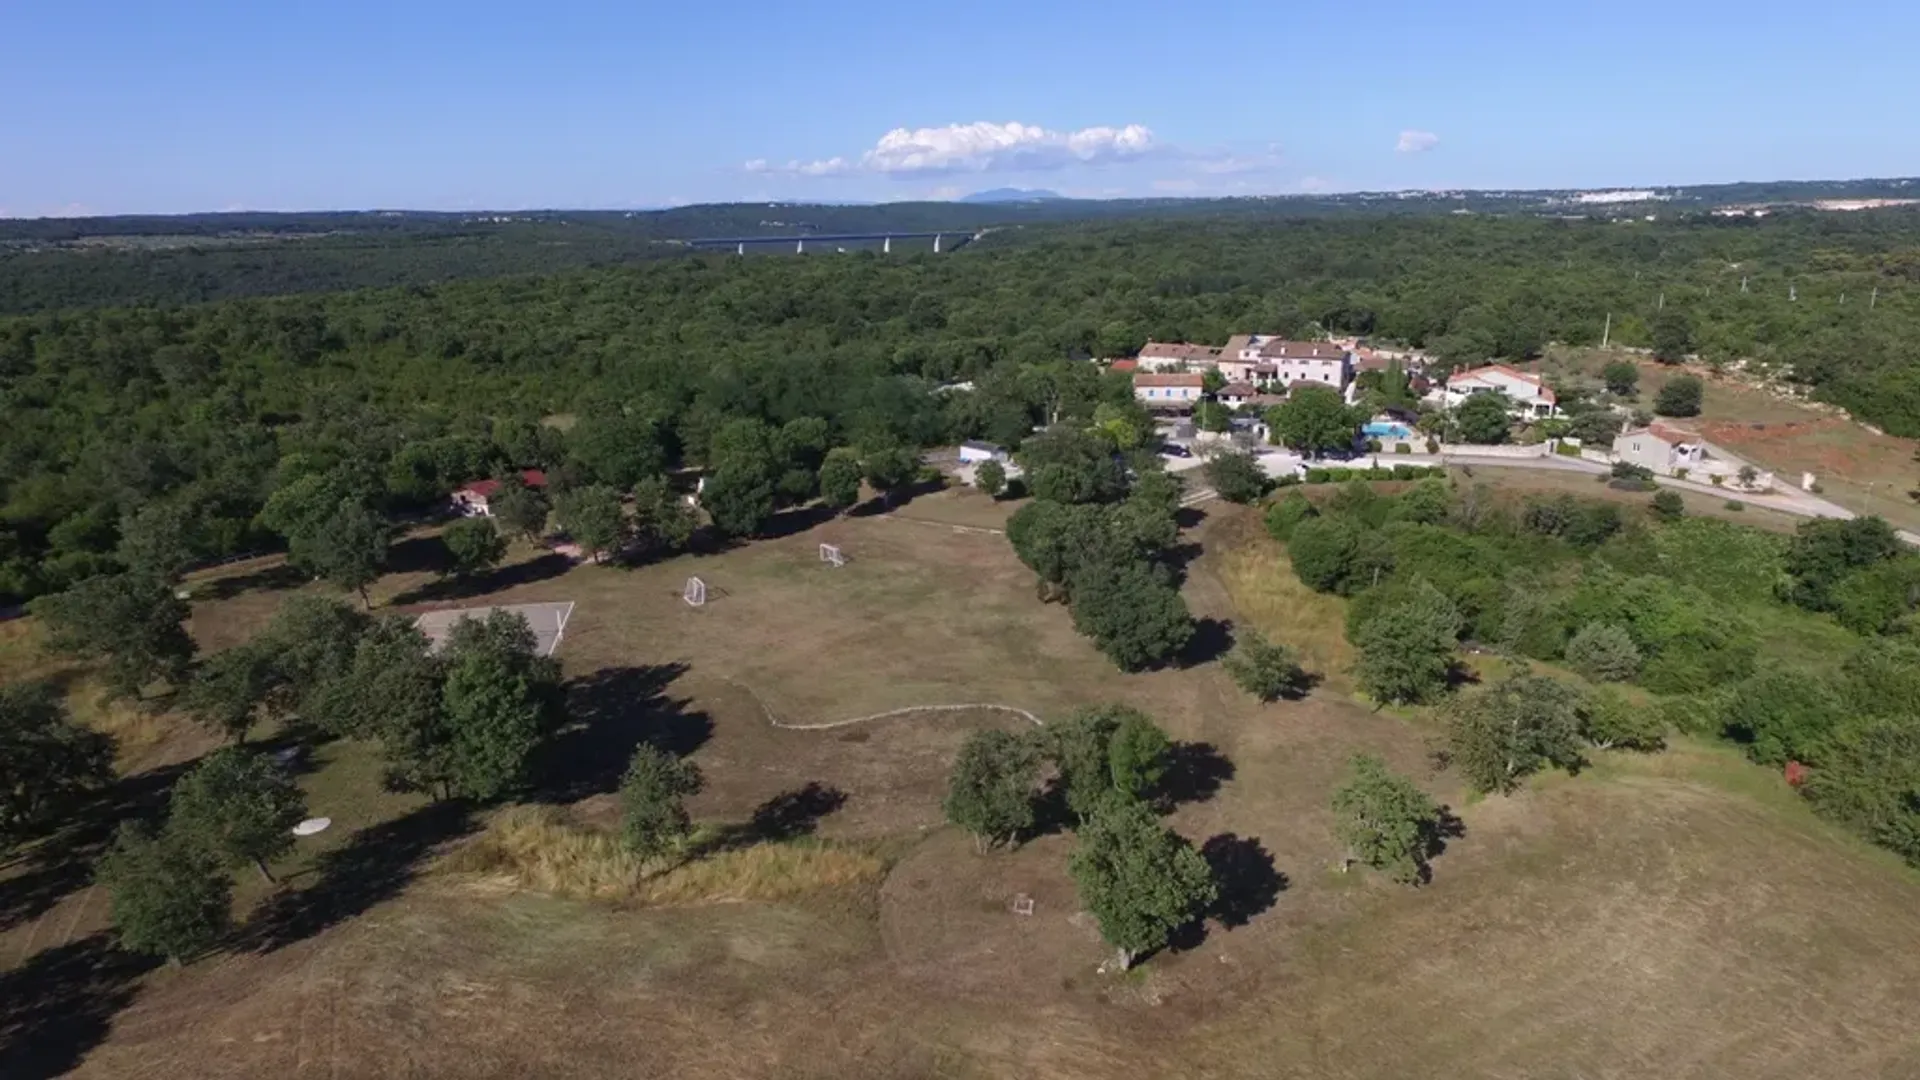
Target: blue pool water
<point x="1379" y="430"/>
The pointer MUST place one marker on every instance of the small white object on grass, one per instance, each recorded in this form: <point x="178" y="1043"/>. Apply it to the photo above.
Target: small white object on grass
<point x="1023" y="904"/>
<point x="695" y="594"/>
<point x="830" y="553"/>
<point x="312" y="825"/>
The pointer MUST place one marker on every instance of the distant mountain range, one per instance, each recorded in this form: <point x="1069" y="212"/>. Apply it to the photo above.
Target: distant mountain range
<point x="1013" y="194"/>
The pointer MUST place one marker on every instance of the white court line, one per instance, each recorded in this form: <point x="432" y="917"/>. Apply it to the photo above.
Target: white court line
<point x="560" y="632"/>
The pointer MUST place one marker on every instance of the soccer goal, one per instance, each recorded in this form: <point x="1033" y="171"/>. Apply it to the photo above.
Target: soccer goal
<point x="831" y="555"/>
<point x="695" y="594"/>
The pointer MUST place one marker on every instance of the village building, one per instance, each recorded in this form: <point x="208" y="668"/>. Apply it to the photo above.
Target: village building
<point x="1528" y="395"/>
<point x="1178" y="391"/>
<point x="474" y="500"/>
<point x="1163" y="356"/>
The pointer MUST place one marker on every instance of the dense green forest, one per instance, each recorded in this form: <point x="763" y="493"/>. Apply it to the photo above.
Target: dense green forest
<point x="110" y="410"/>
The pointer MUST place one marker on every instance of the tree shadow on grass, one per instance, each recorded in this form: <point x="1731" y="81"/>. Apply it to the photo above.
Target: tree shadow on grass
<point x="1195" y="771"/>
<point x="374" y="865"/>
<point x="60" y="1004"/>
<point x="612" y="712"/>
<point x="797" y="519"/>
<point x="417" y="554"/>
<point x="787" y="816"/>
<point x="1247" y="884"/>
<point x="1189" y="517"/>
<point x="1446" y="826"/>
<point x="266" y="579"/>
<point x="1178" y="557"/>
<point x="539" y="568"/>
<point x="62" y="863"/>
<point x="1243" y="871"/>
<point x="1212" y="639"/>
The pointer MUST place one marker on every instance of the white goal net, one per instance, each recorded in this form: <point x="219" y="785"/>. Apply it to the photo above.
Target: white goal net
<point x="695" y="594"/>
<point x="830" y="554"/>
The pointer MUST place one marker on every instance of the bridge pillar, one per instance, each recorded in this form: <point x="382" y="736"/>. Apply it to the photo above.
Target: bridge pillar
<point x="886" y="246"/>
<point x="936" y="243"/>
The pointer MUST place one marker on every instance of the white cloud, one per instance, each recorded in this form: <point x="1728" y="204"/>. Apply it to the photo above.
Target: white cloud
<point x="981" y="147"/>
<point x="1416" y="142"/>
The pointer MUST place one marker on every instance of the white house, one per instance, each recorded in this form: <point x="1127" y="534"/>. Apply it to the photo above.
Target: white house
<point x="1260" y="358"/>
<point x="474" y="500"/>
<point x="1163" y="356"/>
<point x="1174" y="391"/>
<point x="1669" y="451"/>
<point x="1529" y="394"/>
<point x="1234" y="395"/>
<point x="973" y="451"/>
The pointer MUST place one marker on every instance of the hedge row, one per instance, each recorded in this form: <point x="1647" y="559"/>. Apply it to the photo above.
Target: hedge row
<point x="1342" y="475"/>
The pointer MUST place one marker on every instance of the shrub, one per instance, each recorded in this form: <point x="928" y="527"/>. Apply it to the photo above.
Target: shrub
<point x="1266" y="670"/>
<point x="1339" y="475"/>
<point x="1605" y="652"/>
<point x="1282" y="517"/>
<point x="1668" y="506"/>
<point x="1318" y="476"/>
<point x="1717" y="479"/>
<point x="1681" y="474"/>
<point x="1680" y="397"/>
<point x="1735" y="504"/>
<point x="1402" y="448"/>
<point x="1566" y="449"/>
<point x="1373" y="445"/>
<point x="1433" y="446"/>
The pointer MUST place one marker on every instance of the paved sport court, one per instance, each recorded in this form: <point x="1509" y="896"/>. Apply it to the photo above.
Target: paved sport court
<point x="549" y="622"/>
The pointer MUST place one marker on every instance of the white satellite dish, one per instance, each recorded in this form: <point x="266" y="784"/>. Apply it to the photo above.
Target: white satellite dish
<point x="312" y="825"/>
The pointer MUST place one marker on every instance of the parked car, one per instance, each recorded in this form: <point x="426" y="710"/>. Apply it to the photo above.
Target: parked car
<point x="1175" y="450"/>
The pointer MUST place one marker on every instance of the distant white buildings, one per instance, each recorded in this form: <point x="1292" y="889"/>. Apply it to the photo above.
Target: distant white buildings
<point x="974" y="451"/>
<point x="1529" y="395"/>
<point x="1670" y="451"/>
<point x="1178" y="390"/>
<point x="1161" y="356"/>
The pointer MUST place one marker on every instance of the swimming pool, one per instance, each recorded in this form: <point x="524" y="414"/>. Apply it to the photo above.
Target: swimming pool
<point x="1383" y="430"/>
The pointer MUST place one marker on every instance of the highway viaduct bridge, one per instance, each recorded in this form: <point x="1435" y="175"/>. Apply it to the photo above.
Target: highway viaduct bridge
<point x="740" y="244"/>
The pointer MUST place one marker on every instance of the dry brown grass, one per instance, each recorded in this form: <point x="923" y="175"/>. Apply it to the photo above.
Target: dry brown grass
<point x="1673" y="916"/>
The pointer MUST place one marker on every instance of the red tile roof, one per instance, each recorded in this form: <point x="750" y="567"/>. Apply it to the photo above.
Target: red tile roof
<point x="485" y="489"/>
<point x="1238" y="389"/>
<point x="1182" y="351"/>
<point x="1302" y="350"/>
<point x="1124" y="365"/>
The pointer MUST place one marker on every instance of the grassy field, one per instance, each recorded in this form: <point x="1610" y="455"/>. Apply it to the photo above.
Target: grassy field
<point x="1681" y="915"/>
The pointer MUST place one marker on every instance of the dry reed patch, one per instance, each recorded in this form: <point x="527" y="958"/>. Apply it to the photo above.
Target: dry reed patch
<point x="1269" y="597"/>
<point x="540" y="848"/>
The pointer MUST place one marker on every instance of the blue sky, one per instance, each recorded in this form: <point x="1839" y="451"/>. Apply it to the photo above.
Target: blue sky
<point x="123" y="106"/>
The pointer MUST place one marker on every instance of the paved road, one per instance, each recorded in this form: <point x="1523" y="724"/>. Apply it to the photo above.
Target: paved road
<point x="1786" y="499"/>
